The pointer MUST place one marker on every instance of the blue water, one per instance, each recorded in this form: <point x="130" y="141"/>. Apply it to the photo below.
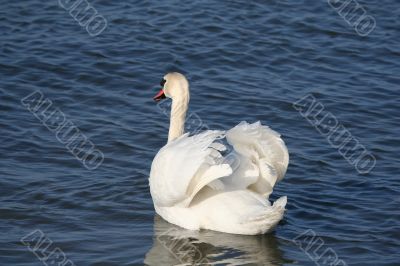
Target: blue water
<point x="245" y="60"/>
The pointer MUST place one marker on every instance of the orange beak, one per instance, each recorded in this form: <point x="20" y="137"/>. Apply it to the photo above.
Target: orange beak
<point x="159" y="96"/>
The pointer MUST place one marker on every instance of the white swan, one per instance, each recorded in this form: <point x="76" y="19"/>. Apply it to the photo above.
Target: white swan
<point x="195" y="187"/>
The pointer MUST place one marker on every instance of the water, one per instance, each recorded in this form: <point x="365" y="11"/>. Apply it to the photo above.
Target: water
<point x="245" y="61"/>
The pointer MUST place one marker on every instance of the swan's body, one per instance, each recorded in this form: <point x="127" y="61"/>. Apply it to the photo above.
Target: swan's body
<point x="195" y="187"/>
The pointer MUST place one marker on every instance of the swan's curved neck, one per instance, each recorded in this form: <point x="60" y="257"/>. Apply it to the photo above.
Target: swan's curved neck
<point x="178" y="115"/>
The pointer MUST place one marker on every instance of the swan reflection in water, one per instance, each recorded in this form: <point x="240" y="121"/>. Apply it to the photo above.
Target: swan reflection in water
<point x="177" y="246"/>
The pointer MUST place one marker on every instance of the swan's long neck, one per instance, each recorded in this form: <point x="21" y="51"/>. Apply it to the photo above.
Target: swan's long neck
<point x="178" y="115"/>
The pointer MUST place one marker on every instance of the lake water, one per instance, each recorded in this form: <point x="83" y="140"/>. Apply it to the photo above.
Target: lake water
<point x="245" y="60"/>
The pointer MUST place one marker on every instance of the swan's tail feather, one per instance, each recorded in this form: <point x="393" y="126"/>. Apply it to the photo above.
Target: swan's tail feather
<point x="267" y="220"/>
<point x="240" y="212"/>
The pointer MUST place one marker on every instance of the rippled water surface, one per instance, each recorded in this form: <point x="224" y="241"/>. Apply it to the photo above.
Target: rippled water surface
<point x="246" y="60"/>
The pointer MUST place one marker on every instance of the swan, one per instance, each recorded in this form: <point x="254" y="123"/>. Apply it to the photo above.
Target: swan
<point x="195" y="187"/>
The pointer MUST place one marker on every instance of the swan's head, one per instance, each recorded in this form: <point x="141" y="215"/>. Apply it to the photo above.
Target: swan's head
<point x="175" y="86"/>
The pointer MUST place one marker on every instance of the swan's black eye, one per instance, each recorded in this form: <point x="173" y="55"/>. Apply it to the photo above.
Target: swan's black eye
<point x="162" y="82"/>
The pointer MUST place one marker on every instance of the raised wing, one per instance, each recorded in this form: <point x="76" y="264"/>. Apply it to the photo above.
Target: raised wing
<point x="184" y="166"/>
<point x="264" y="157"/>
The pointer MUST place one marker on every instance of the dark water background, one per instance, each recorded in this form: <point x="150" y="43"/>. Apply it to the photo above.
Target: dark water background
<point x="246" y="60"/>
